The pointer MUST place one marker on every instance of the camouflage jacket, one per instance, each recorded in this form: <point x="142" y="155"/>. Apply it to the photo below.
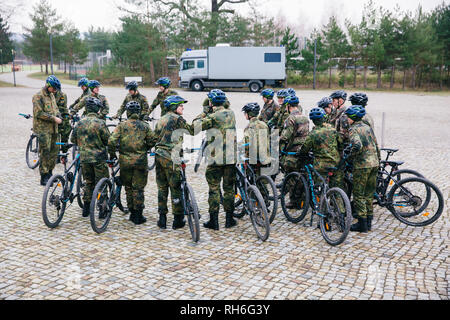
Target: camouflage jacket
<point x="256" y="134"/>
<point x="365" y="152"/>
<point x="103" y="111"/>
<point x="166" y="136"/>
<point x="84" y="94"/>
<point x="61" y="102"/>
<point x="91" y="136"/>
<point x="206" y="103"/>
<point x="324" y="142"/>
<point x="367" y="119"/>
<point x="139" y="98"/>
<point x="44" y="109"/>
<point x="134" y="138"/>
<point x="268" y="111"/>
<point x="220" y="134"/>
<point x="296" y="128"/>
<point x="160" y="100"/>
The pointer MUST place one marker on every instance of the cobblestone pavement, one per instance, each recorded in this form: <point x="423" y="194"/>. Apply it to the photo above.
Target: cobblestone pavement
<point x="394" y="261"/>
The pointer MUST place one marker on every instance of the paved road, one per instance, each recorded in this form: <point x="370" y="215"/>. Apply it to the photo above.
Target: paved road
<point x="23" y="79"/>
<point x="394" y="261"/>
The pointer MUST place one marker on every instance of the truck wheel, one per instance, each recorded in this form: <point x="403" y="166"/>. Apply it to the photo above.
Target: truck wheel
<point x="254" y="87"/>
<point x="196" y="85"/>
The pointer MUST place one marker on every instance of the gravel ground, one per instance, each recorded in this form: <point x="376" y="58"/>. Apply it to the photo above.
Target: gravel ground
<point x="394" y="261"/>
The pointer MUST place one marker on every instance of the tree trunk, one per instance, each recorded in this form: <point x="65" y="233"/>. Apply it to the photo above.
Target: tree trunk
<point x="46" y="67"/>
<point x="365" y="76"/>
<point x="440" y="76"/>
<point x="379" y="77"/>
<point x="329" y="79"/>
<point x="152" y="71"/>
<point x="354" y="75"/>
<point x="65" y="66"/>
<point x="392" y="76"/>
<point x="413" y="77"/>
<point x="420" y="76"/>
<point x="42" y="70"/>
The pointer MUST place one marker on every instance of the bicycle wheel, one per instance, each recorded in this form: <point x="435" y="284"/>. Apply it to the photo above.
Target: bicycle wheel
<point x="415" y="201"/>
<point x="151" y="159"/>
<point x="269" y="192"/>
<point x="258" y="213"/>
<point x="337" y="216"/>
<point x="80" y="189"/>
<point x="239" y="208"/>
<point x="191" y="210"/>
<point x="403" y="174"/>
<point x="54" y="201"/>
<point x="32" y="152"/>
<point x="101" y="208"/>
<point x="296" y="210"/>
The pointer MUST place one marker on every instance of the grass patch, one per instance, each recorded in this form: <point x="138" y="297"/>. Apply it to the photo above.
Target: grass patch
<point x="63" y="77"/>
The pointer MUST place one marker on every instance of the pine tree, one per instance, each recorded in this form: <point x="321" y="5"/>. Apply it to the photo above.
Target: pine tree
<point x="6" y="45"/>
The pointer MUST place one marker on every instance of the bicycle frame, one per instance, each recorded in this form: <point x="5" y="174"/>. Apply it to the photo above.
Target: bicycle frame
<point x="75" y="163"/>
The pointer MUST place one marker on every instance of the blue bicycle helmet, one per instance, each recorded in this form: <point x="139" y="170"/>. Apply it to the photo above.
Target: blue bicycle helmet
<point x="163" y="82"/>
<point x="282" y="93"/>
<point x="316" y="114"/>
<point x="355" y="112"/>
<point x="291" y="92"/>
<point x="132" y="85"/>
<point x="339" y="94"/>
<point x="359" y="99"/>
<point x="268" y="93"/>
<point x="53" y="82"/>
<point x="217" y="97"/>
<point x="83" y="82"/>
<point x="93" y="84"/>
<point x="291" y="100"/>
<point x="324" y="102"/>
<point x="172" y="102"/>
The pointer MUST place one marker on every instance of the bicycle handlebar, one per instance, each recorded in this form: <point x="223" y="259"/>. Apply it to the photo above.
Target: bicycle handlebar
<point x="26" y="116"/>
<point x="65" y="144"/>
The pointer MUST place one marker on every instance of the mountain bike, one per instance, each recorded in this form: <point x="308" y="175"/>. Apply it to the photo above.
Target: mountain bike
<point x="190" y="206"/>
<point x="105" y="197"/>
<point x="32" y="149"/>
<point x="331" y="205"/>
<point x="59" y="191"/>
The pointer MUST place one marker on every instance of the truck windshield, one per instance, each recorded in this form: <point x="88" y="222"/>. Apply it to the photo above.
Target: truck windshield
<point x="188" y="64"/>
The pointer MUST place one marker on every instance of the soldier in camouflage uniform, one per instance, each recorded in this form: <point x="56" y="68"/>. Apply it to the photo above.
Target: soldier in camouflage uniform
<point x="84" y="85"/>
<point x="134" y="95"/>
<point x="134" y="139"/>
<point x="270" y="106"/>
<point x="46" y="119"/>
<point x="64" y="128"/>
<point x="361" y="99"/>
<point x="281" y="95"/>
<point x="94" y="86"/>
<point x="256" y="138"/>
<point x="164" y="92"/>
<point x="326" y="103"/>
<point x="206" y="105"/>
<point x="91" y="136"/>
<point x="339" y="97"/>
<point x="221" y="163"/>
<point x="168" y="170"/>
<point x="365" y="154"/>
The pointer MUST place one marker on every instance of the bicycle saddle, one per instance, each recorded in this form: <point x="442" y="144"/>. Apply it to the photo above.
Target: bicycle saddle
<point x="392" y="163"/>
<point x="389" y="150"/>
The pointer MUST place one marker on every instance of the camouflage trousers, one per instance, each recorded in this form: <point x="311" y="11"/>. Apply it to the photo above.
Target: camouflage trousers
<point x="214" y="175"/>
<point x="364" y="186"/>
<point x="92" y="174"/>
<point x="134" y="179"/>
<point x="48" y="152"/>
<point x="168" y="177"/>
<point x="64" y="130"/>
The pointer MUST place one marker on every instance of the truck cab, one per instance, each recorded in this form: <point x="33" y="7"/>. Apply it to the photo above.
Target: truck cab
<point x="193" y="66"/>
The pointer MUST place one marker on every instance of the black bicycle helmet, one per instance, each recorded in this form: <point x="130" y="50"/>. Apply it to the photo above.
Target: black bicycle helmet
<point x="132" y="85"/>
<point x="133" y="107"/>
<point x="324" y="102"/>
<point x="252" y="109"/>
<point x="93" y="104"/>
<point x="359" y="99"/>
<point x="339" y="94"/>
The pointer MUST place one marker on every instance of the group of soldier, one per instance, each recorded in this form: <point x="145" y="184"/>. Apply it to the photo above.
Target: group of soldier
<point x="335" y="126"/>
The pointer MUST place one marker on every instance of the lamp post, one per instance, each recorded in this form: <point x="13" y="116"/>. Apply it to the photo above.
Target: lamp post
<point x="14" y="68"/>
<point x="315" y="63"/>
<point x="51" y="53"/>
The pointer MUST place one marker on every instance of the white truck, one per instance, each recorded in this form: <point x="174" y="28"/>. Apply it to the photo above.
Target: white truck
<point x="233" y="67"/>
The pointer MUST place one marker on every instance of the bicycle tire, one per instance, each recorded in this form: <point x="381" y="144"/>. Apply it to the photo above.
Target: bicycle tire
<point x="101" y="199"/>
<point x="430" y="189"/>
<point x="192" y="212"/>
<point x="304" y="204"/>
<point x="258" y="216"/>
<point x="80" y="189"/>
<point x="343" y="223"/>
<point x="269" y="192"/>
<point x="54" y="200"/>
<point x="32" y="162"/>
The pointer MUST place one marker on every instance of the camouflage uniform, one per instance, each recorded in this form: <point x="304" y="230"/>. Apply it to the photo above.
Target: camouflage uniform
<point x="44" y="109"/>
<point x="367" y="119"/>
<point x="279" y="118"/>
<point x="85" y="93"/>
<point x="134" y="138"/>
<point x="168" y="173"/>
<point x="64" y="128"/>
<point x="103" y="111"/>
<point x="160" y="100"/>
<point x="268" y="111"/>
<point x="293" y="136"/>
<point x="141" y="99"/>
<point x="220" y="165"/>
<point x="91" y="136"/>
<point x="365" y="155"/>
<point x="324" y="142"/>
<point x="256" y="135"/>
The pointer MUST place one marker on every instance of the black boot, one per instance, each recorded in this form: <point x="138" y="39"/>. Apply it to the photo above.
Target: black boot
<point x="132" y="215"/>
<point x="229" y="221"/>
<point x="213" y="222"/>
<point x="369" y="222"/>
<point x="86" y="209"/>
<point x="360" y="226"/>
<point x="162" y="221"/>
<point x="178" y="221"/>
<point x="44" y="178"/>
<point x="138" y="217"/>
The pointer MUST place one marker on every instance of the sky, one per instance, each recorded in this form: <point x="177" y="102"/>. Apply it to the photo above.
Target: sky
<point x="303" y="15"/>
